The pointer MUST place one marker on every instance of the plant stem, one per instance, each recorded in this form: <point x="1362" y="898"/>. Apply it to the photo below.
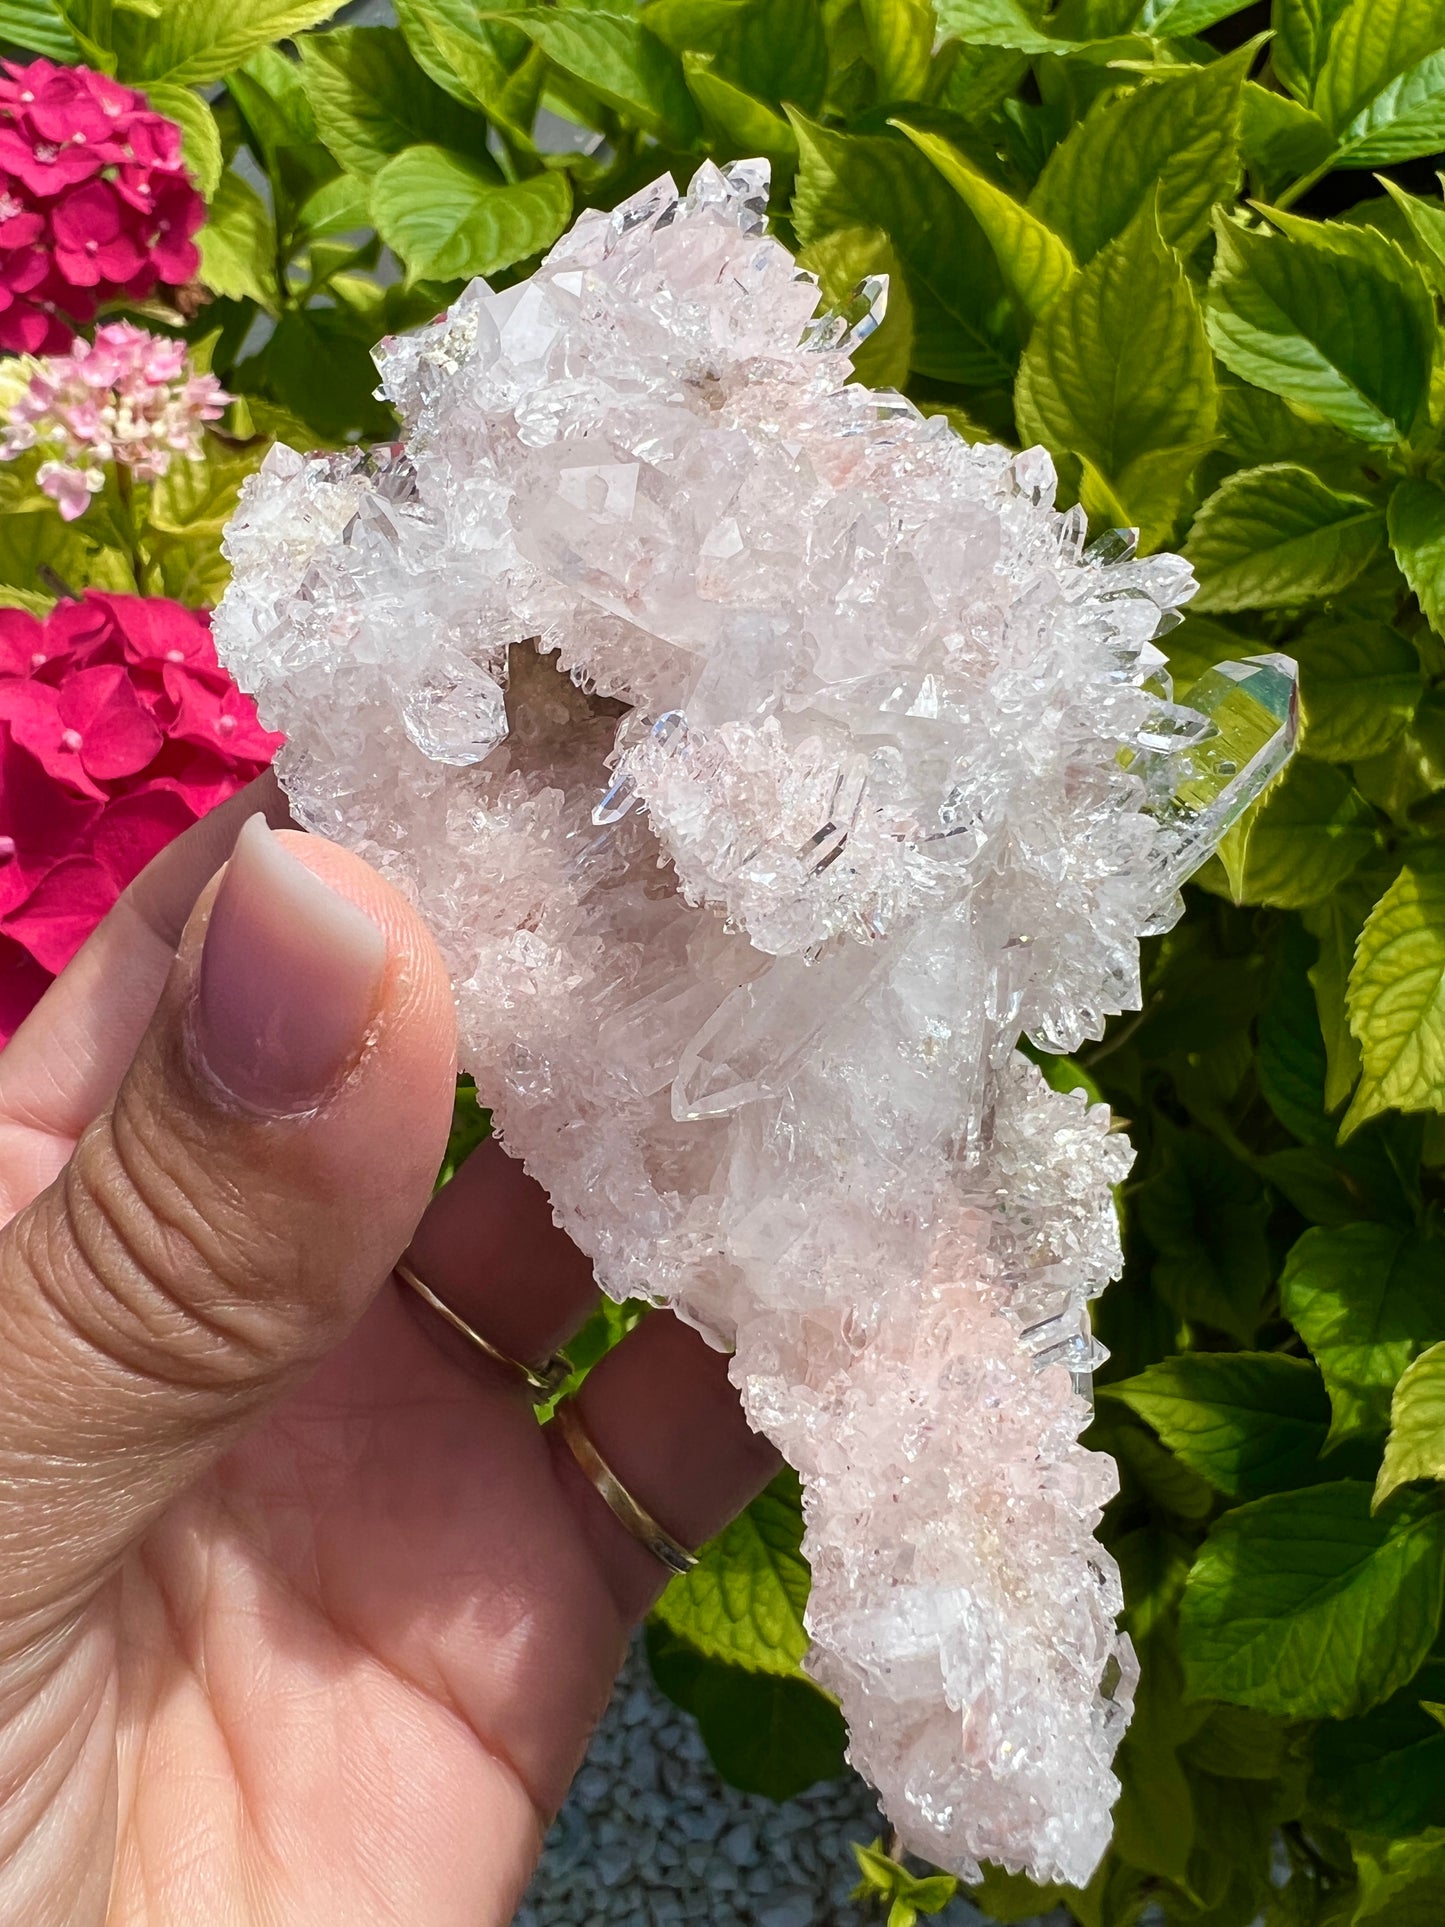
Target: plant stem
<point x="129" y="529"/>
<point x="1303" y="185"/>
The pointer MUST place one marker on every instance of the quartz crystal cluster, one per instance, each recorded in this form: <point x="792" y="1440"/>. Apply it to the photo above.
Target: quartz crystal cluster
<point x="767" y="759"/>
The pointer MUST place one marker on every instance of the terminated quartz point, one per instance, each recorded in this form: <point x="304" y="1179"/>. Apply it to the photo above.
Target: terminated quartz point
<point x="766" y="760"/>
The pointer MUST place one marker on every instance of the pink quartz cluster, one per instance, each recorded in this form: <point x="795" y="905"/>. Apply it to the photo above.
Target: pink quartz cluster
<point x="127" y="398"/>
<point x="118" y="729"/>
<point x="859" y="763"/>
<point x="95" y="202"/>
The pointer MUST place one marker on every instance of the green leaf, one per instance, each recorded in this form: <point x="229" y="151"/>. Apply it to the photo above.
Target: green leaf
<point x="1305" y="1604"/>
<point x="1427" y="223"/>
<point x="1335" y="320"/>
<point x="1118" y="372"/>
<point x="1292" y="1064"/>
<point x="931" y="1893"/>
<point x="841" y="260"/>
<point x="963" y="326"/>
<point x="199" y="498"/>
<point x="1204" y="1214"/>
<point x="317" y="365"/>
<point x="340" y="207"/>
<point x="1365" y="1298"/>
<point x="371" y="99"/>
<point x="1303" y="29"/>
<point x="448" y="220"/>
<point x="1401" y="1885"/>
<point x="1230" y="1871"/>
<point x="1249" y="1422"/>
<point x="976" y="79"/>
<point x="1311" y="829"/>
<point x="780" y="50"/>
<point x="1175" y="139"/>
<point x="36" y="540"/>
<point x="41" y="27"/>
<point x="1406" y="781"/>
<point x="699" y="26"/>
<point x="1359" y="684"/>
<point x="1336" y="924"/>
<point x="1154" y="1825"/>
<point x="743" y="1602"/>
<point x="194" y="43"/>
<point x="902" y="35"/>
<point x="1382" y="88"/>
<point x="618" y="60"/>
<point x="238" y="245"/>
<point x="1278" y="136"/>
<point x="1012" y="1897"/>
<point x="774" y="51"/>
<point x="1036" y="265"/>
<point x="765" y="1734"/>
<point x="1260" y="429"/>
<point x="1417" y="535"/>
<point x="1384" y="1773"/>
<point x="1182" y="16"/>
<point x="1162" y="1478"/>
<point x="998" y="23"/>
<point x="200" y="136"/>
<point x="470" y="57"/>
<point x="1415" y="1448"/>
<point x="33" y="601"/>
<point x="278" y="116"/>
<point x="1235" y="1744"/>
<point x="1397" y="998"/>
<point x="1279" y="535"/>
<point x="1154" y="1562"/>
<point x="879" y="1872"/>
<point x="738" y="126"/>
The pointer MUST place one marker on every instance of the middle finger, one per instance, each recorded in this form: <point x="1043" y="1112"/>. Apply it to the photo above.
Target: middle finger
<point x="489" y="1248"/>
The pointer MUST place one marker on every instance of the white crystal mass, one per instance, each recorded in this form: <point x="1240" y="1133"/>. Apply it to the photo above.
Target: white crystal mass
<point x="859" y="766"/>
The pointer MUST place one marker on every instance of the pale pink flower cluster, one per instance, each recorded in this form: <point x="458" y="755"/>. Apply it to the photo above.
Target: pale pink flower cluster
<point x="128" y="398"/>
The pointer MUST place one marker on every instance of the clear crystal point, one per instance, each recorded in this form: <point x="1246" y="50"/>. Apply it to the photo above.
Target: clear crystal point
<point x="845" y="328"/>
<point x="1246" y="728"/>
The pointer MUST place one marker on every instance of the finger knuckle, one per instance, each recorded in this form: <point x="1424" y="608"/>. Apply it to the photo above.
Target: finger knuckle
<point x="158" y="1260"/>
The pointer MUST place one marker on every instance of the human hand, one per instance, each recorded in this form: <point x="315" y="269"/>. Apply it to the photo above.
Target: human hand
<point x="303" y="1618"/>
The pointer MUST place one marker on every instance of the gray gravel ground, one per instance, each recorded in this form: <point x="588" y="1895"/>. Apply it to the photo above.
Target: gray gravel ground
<point x="651" y="1837"/>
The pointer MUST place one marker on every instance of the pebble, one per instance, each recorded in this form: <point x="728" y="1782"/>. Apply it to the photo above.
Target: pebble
<point x="651" y="1837"/>
<point x="792" y="1909"/>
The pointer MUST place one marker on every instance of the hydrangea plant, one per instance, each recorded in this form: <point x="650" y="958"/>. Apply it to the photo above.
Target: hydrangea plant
<point x="95" y="201"/>
<point x="118" y="730"/>
<point x="1196" y="249"/>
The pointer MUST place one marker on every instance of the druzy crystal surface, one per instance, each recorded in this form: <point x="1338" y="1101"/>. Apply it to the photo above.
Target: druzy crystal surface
<point x="767" y="759"/>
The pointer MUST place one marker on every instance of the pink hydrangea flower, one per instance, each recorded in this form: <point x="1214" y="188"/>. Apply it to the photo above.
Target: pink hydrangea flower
<point x="118" y="730"/>
<point x="95" y="202"/>
<point x="126" y="398"/>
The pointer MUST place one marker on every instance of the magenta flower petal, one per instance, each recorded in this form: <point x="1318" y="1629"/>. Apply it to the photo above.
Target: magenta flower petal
<point x="23" y="982"/>
<point x="94" y="781"/>
<point x="32" y="710"/>
<point x="118" y="737"/>
<point x="61" y="911"/>
<point x="28" y="330"/>
<point x="95" y="180"/>
<point x="20" y="226"/>
<point x="42" y="820"/>
<point x="137" y="827"/>
<point x="22" y="650"/>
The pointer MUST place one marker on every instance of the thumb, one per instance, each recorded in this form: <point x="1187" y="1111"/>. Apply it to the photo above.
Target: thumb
<point x="224" y="1223"/>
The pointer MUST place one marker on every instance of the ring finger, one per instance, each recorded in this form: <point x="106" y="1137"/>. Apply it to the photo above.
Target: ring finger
<point x="659" y="1410"/>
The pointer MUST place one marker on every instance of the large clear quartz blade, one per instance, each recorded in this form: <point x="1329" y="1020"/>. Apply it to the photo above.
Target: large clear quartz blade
<point x="1200" y="788"/>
